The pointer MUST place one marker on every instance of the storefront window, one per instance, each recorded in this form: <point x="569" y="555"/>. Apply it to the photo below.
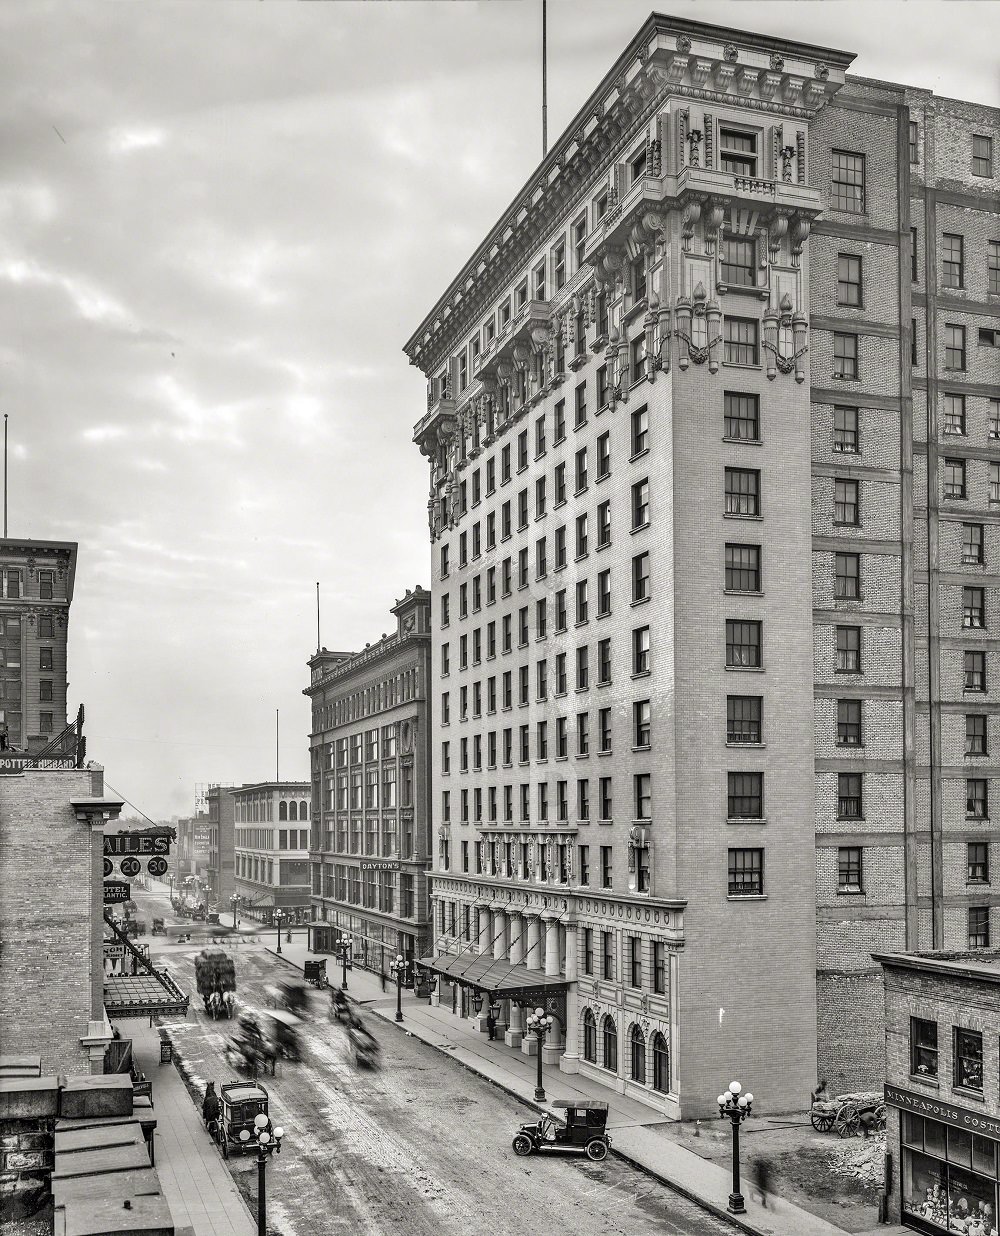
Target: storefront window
<point x="968" y="1059"/>
<point x="951" y="1185"/>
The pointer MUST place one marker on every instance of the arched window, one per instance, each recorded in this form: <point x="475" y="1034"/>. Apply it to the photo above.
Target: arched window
<point x="637" y="1052"/>
<point x="303" y="811"/>
<point x="282" y="810"/>
<point x="610" y="1045"/>
<point x="589" y="1037"/>
<point x="293" y="810"/>
<point x="661" y="1064"/>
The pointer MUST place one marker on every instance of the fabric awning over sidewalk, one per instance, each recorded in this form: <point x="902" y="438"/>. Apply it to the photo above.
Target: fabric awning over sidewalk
<point x="500" y="977"/>
<point x="142" y="995"/>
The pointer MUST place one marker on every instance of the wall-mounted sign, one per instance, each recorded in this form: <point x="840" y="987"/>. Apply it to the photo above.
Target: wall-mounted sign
<point x="108" y="867"/>
<point x="380" y="864"/>
<point x="157" y="866"/>
<point x="142" y="844"/>
<point x="130" y="866"/>
<point x="116" y="891"/>
<point x="111" y="951"/>
<point x="947" y="1113"/>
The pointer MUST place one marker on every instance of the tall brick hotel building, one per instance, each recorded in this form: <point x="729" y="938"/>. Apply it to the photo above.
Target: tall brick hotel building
<point x="713" y="435"/>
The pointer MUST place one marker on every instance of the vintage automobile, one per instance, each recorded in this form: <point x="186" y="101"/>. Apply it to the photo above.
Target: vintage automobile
<point x="583" y="1130"/>
<point x="159" y="928"/>
<point x="314" y="972"/>
<point x="239" y="1104"/>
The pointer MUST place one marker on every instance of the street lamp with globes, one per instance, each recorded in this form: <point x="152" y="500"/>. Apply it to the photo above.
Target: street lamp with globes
<point x="539" y="1022"/>
<point x="737" y="1106"/>
<point x="279" y="917"/>
<point x="268" y="1142"/>
<point x="234" y="901"/>
<point x="397" y="969"/>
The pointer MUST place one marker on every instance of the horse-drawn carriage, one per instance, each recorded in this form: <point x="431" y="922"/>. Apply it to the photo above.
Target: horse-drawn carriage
<point x="290" y="995"/>
<point x="314" y="972"/>
<point x="364" y="1045"/>
<point x="215" y="975"/>
<point x="282" y="1029"/>
<point x="250" y="1050"/>
<point x="846" y="1114"/>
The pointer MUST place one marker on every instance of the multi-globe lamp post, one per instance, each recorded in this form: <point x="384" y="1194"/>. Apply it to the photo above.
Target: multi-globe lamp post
<point x="235" y="901"/>
<point x="397" y="969"/>
<point x="737" y="1106"/>
<point x="278" y="918"/>
<point x="268" y="1142"/>
<point x="539" y="1023"/>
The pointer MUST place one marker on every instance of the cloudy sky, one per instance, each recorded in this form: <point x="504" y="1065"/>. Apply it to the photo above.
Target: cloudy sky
<point x="219" y="222"/>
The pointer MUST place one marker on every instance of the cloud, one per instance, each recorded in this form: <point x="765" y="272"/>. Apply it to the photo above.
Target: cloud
<point x="104" y="433"/>
<point x="127" y="140"/>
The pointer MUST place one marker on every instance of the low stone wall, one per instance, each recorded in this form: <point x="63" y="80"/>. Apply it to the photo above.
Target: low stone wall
<point x="28" y="1110"/>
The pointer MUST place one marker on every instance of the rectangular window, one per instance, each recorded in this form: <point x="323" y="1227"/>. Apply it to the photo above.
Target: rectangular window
<point x="743" y="644"/>
<point x="46" y="579"/>
<point x="974" y="607"/>
<point x="607" y="955"/>
<point x="635" y="961"/>
<point x="580" y="406"/>
<point x="640" y="650"/>
<point x="972" y="543"/>
<point x="582" y="601"/>
<point x="581" y="535"/>
<point x="976" y="799"/>
<point x="659" y="967"/>
<point x="642" y="796"/>
<point x="640" y="504"/>
<point x="742" y="568"/>
<point x="604" y="524"/>
<point x="583" y="855"/>
<point x="913" y="141"/>
<point x="974" y="671"/>
<point x="968" y="1044"/>
<point x="849" y="869"/>
<point x="642" y="723"/>
<point x="603" y="387"/>
<point x="849" y="280"/>
<point x="847" y="182"/>
<point x="746" y="873"/>
<point x="741" y="418"/>
<point x="740" y="341"/>
<point x="606" y="867"/>
<point x="580" y="240"/>
<point x="560" y="485"/>
<point x="979" y="927"/>
<point x="993" y="267"/>
<point x="845" y="356"/>
<point x="847" y="577"/>
<point x="994" y="482"/>
<point x="982" y="155"/>
<point x="742" y="492"/>
<point x="849" y="796"/>
<point x="848" y="723"/>
<point x="637" y="359"/>
<point x="923" y="1047"/>
<point x="743" y="719"/>
<point x="604" y="455"/>
<point x="954" y="347"/>
<point x="975" y="733"/>
<point x="583" y="798"/>
<point x="914" y="271"/>
<point x="952" y="260"/>
<point x="45" y="659"/>
<point x="580" y="469"/>
<point x="559" y="421"/>
<point x="738" y="151"/>
<point x="745" y="797"/>
<point x="845" y="503"/>
<point x="559" y="265"/>
<point x="604" y="593"/>
<point x="640" y="578"/>
<point x="954" y="414"/>
<point x="953" y="478"/>
<point x="739" y="261"/>
<point x="978" y="862"/>
<point x="640" y="431"/>
<point x="604" y="799"/>
<point x="538" y="281"/>
<point x="604" y="662"/>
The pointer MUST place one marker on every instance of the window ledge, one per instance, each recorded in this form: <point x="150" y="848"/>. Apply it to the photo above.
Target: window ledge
<point x="745" y="669"/>
<point x="641" y="674"/>
<point x="967" y="1093"/>
<point x="925" y="1079"/>
<point x="851" y="892"/>
<point x="746" y="819"/>
<point x="639" y="528"/>
<point x="742" y="746"/>
<point x="604" y="476"/>
<point x="739" y="592"/>
<point x="744" y="441"/>
<point x="737" y="515"/>
<point x="746" y="897"/>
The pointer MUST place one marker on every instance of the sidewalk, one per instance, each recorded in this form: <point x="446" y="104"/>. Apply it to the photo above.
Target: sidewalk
<point x="195" y="1181"/>
<point x="633" y="1126"/>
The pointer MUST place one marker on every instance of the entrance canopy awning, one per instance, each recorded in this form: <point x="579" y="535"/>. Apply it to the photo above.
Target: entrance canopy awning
<point x="142" y="995"/>
<point x="488" y="974"/>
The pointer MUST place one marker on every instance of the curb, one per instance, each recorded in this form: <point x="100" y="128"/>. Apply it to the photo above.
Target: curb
<point x="718" y="1211"/>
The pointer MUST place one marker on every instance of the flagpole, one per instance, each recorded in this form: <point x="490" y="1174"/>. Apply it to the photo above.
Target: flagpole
<point x="545" y="106"/>
<point x="277" y="757"/>
<point x="5" y="474"/>
<point x="318" y="645"/>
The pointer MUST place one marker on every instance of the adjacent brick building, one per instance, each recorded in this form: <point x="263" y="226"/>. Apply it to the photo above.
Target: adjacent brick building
<point x="271" y="871"/>
<point x="686" y="573"/>
<point x="942" y="1045"/>
<point x="219" y="815"/>
<point x="36" y="589"/>
<point x="370" y="845"/>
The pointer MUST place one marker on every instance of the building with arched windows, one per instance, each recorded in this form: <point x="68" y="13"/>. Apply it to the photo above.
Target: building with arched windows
<point x="271" y="852"/>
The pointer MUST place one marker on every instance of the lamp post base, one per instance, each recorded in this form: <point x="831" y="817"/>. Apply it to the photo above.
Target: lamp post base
<point x="736" y="1204"/>
<point x="539" y="1095"/>
<point x="399" y="1015"/>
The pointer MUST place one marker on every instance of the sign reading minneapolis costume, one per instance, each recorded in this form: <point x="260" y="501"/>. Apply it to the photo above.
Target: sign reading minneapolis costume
<point x="947" y="1113"/>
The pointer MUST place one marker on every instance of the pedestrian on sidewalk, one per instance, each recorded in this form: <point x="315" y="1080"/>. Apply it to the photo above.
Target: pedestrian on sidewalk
<point x="382" y="977"/>
<point x="491" y="1026"/>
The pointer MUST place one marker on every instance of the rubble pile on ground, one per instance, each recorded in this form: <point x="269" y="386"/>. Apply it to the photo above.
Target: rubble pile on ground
<point x="862" y="1158"/>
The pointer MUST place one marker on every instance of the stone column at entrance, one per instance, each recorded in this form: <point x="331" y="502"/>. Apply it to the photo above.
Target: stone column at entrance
<point x="569" y="1061"/>
<point x="551" y="946"/>
<point x="483" y="940"/>
<point x="515" y="1033"/>
<point x="533" y="952"/>
<point x="516" y="952"/>
<point x="499" y="935"/>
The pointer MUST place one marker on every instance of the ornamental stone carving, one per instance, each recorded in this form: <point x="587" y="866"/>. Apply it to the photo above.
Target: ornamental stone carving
<point x="777" y="62"/>
<point x="822" y="72"/>
<point x="700" y="71"/>
<point x="683" y="43"/>
<point x="731" y="53"/>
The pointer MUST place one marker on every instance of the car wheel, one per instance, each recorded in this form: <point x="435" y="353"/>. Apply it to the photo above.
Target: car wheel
<point x="522" y="1144"/>
<point x="225" y="1147"/>
<point x="597" y="1150"/>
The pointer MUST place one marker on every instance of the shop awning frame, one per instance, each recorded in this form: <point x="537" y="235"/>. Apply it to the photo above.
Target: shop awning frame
<point x="147" y="992"/>
<point x="497" y="977"/>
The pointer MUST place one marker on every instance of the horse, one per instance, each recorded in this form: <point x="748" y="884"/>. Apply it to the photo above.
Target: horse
<point x="228" y="999"/>
<point x="214" y="1004"/>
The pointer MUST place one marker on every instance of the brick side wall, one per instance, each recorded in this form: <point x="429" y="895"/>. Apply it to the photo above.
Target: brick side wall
<point x="850" y="1028"/>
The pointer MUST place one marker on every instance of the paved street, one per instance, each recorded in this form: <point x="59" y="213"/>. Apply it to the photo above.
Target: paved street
<point x="421" y="1146"/>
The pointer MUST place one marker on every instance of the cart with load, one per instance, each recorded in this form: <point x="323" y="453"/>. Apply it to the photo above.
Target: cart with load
<point x="215" y="975"/>
<point x="846" y="1114"/>
<point x="240" y="1103"/>
<point x="584" y="1130"/>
